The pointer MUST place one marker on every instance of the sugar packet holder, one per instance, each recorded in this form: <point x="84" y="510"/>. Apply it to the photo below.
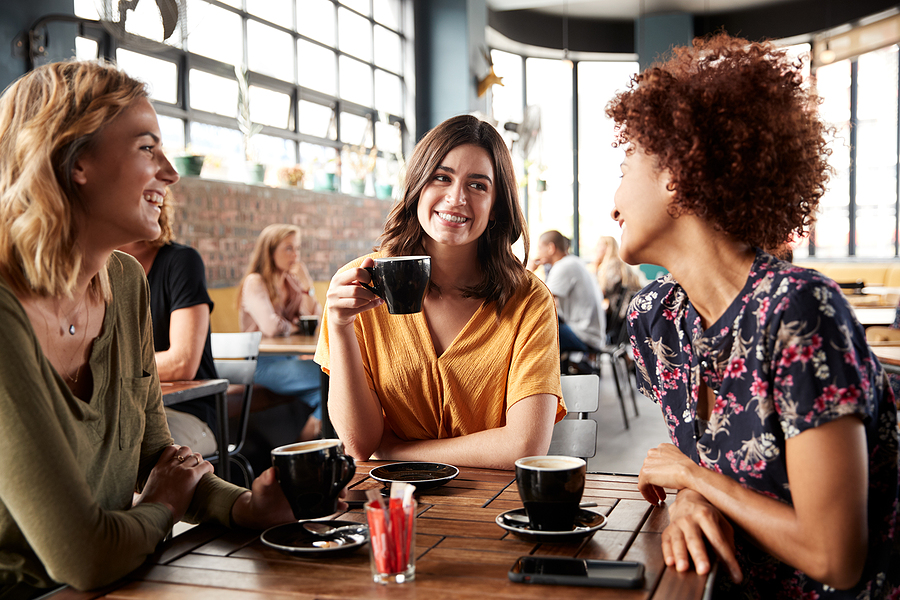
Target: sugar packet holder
<point x="391" y="526"/>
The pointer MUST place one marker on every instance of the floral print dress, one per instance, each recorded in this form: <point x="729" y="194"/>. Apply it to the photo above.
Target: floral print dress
<point x="786" y="356"/>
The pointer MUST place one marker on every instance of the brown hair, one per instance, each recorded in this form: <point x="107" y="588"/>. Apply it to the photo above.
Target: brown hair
<point x="734" y="124"/>
<point x="261" y="260"/>
<point x="503" y="272"/>
<point x="557" y="239"/>
<point x="48" y="119"/>
<point x="166" y="216"/>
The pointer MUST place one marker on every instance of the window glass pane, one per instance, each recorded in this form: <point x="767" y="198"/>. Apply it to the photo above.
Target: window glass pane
<point x="274" y="151"/>
<point x="269" y="107"/>
<point x="387" y="12"/>
<point x="275" y="11"/>
<point x="361" y="6"/>
<point x="388" y="137"/>
<point x="316" y="67"/>
<point x="223" y="149"/>
<point x="356" y="81"/>
<point x="355" y="34"/>
<point x="213" y="93"/>
<point x="316" y="21"/>
<point x="86" y="49"/>
<point x="388" y="93"/>
<point x="86" y="9"/>
<point x="270" y="51"/>
<point x="161" y="75"/>
<point x="598" y="161"/>
<point x="507" y="101"/>
<point x="355" y="130"/>
<point x="549" y="88"/>
<point x="832" y="229"/>
<point x="234" y="3"/>
<point x="316" y="119"/>
<point x="876" y="154"/>
<point x="320" y="164"/>
<point x="172" y="131"/>
<point x="387" y="50"/>
<point x="218" y="35"/>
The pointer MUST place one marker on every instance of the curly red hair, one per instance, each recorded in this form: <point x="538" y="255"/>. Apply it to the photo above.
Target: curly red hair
<point x="739" y="132"/>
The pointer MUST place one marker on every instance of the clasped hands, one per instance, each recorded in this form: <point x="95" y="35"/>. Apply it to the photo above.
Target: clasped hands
<point x="692" y="518"/>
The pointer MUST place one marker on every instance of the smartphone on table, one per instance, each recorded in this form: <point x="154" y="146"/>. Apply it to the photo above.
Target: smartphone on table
<point x="555" y="570"/>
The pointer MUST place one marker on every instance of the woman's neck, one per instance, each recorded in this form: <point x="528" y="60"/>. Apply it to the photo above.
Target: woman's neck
<point x="454" y="267"/>
<point x="712" y="268"/>
<point x="144" y="252"/>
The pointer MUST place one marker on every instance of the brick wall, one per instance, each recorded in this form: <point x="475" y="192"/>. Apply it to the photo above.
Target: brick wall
<point x="223" y="219"/>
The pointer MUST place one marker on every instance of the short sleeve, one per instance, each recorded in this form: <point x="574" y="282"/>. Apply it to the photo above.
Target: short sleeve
<point x="822" y="366"/>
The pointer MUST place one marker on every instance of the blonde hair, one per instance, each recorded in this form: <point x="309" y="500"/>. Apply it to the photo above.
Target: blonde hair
<point x="262" y="261"/>
<point x="613" y="268"/>
<point x="166" y="216"/>
<point x="48" y="119"/>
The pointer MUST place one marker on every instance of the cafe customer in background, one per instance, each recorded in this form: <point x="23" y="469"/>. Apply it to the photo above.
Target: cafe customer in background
<point x="579" y="303"/>
<point x="180" y="307"/>
<point x="82" y="425"/>
<point x="618" y="280"/>
<point x="275" y="293"/>
<point x="473" y="379"/>
<point x="784" y="431"/>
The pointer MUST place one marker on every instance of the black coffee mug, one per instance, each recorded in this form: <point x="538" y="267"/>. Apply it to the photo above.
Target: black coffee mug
<point x="551" y="488"/>
<point x="308" y="324"/>
<point x="401" y="281"/>
<point x="312" y="475"/>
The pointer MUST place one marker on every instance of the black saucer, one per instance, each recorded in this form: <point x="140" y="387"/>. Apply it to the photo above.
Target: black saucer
<point x="294" y="539"/>
<point x="423" y="475"/>
<point x="516" y="522"/>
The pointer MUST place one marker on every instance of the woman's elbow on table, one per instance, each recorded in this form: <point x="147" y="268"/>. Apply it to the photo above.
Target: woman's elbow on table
<point x="840" y="568"/>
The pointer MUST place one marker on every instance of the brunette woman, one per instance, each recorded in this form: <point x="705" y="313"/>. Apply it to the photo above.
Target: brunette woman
<point x="474" y="378"/>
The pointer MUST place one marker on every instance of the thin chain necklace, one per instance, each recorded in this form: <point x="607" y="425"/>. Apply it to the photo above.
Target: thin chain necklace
<point x="68" y="319"/>
<point x="80" y="344"/>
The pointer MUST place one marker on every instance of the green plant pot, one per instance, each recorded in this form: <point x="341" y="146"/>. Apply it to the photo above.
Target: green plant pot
<point x="256" y="173"/>
<point x="325" y="182"/>
<point x="358" y="186"/>
<point x="189" y="165"/>
<point x="383" y="191"/>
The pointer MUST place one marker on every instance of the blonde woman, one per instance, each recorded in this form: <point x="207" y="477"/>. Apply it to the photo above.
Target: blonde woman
<point x="82" y="425"/>
<point x="276" y="291"/>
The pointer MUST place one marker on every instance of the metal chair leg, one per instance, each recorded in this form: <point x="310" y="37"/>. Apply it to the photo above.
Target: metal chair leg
<point x="615" y="371"/>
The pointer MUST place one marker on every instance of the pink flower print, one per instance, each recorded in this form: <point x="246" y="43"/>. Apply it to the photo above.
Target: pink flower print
<point x="850" y="358"/>
<point x="759" y="387"/>
<point x="849" y="395"/>
<point x="789" y="356"/>
<point x="668" y="315"/>
<point x="736" y="367"/>
<point x="806" y="353"/>
<point x="723" y="332"/>
<point x="788" y="381"/>
<point x="783" y="304"/>
<point x="719" y="408"/>
<point x="828" y="396"/>
<point x="816" y="341"/>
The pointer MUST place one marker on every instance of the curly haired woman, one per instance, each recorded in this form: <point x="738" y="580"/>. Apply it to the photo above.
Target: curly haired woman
<point x="784" y="430"/>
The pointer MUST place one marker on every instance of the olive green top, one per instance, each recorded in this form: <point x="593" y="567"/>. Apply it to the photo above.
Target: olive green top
<point x="68" y="468"/>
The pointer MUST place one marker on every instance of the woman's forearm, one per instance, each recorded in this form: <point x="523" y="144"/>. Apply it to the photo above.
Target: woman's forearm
<point x="354" y="411"/>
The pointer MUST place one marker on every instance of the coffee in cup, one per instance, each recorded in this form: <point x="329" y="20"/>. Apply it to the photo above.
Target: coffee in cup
<point x="551" y="488"/>
<point x="401" y="281"/>
<point x="308" y="324"/>
<point x="312" y="475"/>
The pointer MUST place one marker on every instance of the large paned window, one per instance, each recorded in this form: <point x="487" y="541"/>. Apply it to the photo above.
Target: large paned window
<point x="329" y="80"/>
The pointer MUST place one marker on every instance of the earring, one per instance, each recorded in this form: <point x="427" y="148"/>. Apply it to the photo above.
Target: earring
<point x="492" y="224"/>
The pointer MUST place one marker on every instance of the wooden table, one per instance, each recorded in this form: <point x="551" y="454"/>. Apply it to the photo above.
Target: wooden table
<point x="461" y="553"/>
<point x="296" y="345"/>
<point x="174" y="392"/>
<point x="889" y="356"/>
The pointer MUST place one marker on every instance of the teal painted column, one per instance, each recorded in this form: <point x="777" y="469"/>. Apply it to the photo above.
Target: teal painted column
<point x="450" y="37"/>
<point x="654" y="35"/>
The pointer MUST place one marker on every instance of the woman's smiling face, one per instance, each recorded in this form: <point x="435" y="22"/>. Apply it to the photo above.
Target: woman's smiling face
<point x="457" y="203"/>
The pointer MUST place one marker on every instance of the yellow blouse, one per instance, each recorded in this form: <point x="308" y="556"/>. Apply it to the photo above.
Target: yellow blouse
<point x="492" y="364"/>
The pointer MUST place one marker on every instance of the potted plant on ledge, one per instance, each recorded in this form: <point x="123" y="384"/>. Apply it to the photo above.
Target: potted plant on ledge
<point x="256" y="171"/>
<point x="361" y="163"/>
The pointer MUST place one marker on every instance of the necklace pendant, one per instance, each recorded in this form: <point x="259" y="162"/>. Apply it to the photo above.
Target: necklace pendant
<point x="72" y="329"/>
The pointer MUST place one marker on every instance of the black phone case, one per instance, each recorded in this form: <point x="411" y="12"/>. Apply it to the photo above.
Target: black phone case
<point x="635" y="580"/>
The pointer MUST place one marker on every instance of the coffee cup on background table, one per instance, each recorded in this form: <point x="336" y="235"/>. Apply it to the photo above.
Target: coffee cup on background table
<point x="308" y="324"/>
<point x="401" y="282"/>
<point x="312" y="475"/>
<point x="551" y="488"/>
